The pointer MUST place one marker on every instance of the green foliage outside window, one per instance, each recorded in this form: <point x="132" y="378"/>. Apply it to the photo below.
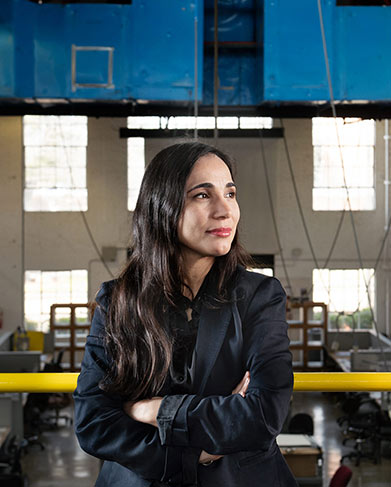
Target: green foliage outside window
<point x="359" y="320"/>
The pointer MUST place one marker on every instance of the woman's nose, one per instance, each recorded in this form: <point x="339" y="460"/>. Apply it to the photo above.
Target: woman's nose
<point x="222" y="208"/>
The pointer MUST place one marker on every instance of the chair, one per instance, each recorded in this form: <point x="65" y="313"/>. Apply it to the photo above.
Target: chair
<point x="32" y="420"/>
<point x="385" y="435"/>
<point x="350" y="404"/>
<point x="341" y="477"/>
<point x="301" y="423"/>
<point x="364" y="428"/>
<point x="57" y="401"/>
<point x="11" y="474"/>
<point x="39" y="409"/>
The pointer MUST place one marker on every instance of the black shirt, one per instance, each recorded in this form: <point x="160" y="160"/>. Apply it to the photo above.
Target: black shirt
<point x="184" y="335"/>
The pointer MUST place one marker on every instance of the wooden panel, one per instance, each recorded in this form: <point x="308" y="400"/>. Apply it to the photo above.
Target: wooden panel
<point x="71" y="342"/>
<point x="307" y="327"/>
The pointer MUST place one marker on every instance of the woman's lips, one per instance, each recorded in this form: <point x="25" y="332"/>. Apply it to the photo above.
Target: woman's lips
<point x="220" y="232"/>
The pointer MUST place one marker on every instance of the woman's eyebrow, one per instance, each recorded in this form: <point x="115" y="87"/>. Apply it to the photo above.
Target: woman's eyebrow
<point x="210" y="185"/>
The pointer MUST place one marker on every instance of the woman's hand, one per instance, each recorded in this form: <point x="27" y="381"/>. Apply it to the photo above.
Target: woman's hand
<point x="207" y="458"/>
<point x="144" y="411"/>
<point x="242" y="387"/>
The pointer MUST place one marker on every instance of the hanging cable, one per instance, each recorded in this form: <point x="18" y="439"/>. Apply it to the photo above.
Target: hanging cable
<point x="293" y="178"/>
<point x="326" y="262"/>
<point x="303" y="218"/>
<point x="82" y="213"/>
<point x="216" y="70"/>
<point x="386" y="138"/>
<point x="355" y="236"/>
<point x="288" y="157"/>
<point x="195" y="77"/>
<point x="334" y="112"/>
<point x="382" y="245"/>
<point x="269" y="193"/>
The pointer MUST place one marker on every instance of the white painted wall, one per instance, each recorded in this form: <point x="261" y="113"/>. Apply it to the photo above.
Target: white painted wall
<point x="11" y="286"/>
<point x="59" y="241"/>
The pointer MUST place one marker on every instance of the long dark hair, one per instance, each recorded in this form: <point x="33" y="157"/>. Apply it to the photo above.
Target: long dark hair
<point x="152" y="278"/>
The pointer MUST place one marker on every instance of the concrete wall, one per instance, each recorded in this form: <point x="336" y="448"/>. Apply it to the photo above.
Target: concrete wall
<point x="11" y="287"/>
<point x="59" y="241"/>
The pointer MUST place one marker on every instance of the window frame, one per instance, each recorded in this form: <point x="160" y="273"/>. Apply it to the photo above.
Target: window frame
<point x="362" y="197"/>
<point x="368" y="276"/>
<point x="53" y="196"/>
<point x="43" y="324"/>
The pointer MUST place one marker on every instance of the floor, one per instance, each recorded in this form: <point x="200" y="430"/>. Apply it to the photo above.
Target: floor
<point x="63" y="464"/>
<point x="324" y="409"/>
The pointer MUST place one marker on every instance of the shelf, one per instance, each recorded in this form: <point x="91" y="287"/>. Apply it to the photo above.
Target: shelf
<point x="308" y="336"/>
<point x="70" y="336"/>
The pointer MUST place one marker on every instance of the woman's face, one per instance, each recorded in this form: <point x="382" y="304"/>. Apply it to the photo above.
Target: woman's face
<point x="210" y="214"/>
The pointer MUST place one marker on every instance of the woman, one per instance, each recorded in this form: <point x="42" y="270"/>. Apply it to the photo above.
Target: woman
<point x="186" y="377"/>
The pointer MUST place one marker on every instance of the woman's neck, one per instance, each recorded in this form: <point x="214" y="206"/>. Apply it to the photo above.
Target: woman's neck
<point x="194" y="274"/>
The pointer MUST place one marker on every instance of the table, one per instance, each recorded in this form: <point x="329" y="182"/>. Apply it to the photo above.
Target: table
<point x="304" y="458"/>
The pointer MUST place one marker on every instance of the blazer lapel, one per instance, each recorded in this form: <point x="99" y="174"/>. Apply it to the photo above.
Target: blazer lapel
<point x="212" y="329"/>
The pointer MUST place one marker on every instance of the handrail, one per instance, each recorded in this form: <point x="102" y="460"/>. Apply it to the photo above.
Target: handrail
<point x="304" y="381"/>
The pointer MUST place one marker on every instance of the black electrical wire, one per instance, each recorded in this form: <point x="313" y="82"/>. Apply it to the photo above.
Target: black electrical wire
<point x="216" y="69"/>
<point x="355" y="236"/>
<point x="82" y="213"/>
<point x="288" y="157"/>
<point x="269" y="193"/>
<point x="382" y="244"/>
<point x="334" y="242"/>
<point x="292" y="174"/>
<point x="87" y="227"/>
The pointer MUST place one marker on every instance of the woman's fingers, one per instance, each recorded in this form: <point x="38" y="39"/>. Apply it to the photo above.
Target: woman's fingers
<point x="239" y="387"/>
<point x="242" y="387"/>
<point x="207" y="458"/>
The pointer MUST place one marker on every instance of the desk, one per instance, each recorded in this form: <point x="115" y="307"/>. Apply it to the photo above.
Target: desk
<point x="304" y="458"/>
<point x="341" y="359"/>
<point x="20" y="361"/>
<point x="11" y="413"/>
<point x="11" y="405"/>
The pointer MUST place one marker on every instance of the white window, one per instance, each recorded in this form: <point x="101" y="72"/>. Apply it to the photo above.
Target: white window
<point x="55" y="157"/>
<point x="256" y="122"/>
<point x="222" y="122"/>
<point x="136" y="166"/>
<point x="344" y="290"/>
<point x="267" y="271"/>
<point x="355" y="146"/>
<point x="44" y="288"/>
<point x="136" y="156"/>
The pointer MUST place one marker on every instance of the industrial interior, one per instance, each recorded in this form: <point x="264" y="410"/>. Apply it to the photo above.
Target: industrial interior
<point x="299" y="93"/>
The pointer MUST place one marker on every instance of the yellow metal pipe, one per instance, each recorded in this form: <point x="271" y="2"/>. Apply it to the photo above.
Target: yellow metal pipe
<point x="304" y="381"/>
<point x="38" y="382"/>
<point x="342" y="381"/>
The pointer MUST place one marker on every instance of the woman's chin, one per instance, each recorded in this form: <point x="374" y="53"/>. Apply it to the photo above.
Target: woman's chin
<point x="222" y="250"/>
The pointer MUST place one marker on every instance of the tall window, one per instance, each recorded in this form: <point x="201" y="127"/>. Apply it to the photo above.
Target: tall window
<point x="55" y="163"/>
<point x="44" y="288"/>
<point x="357" y="140"/>
<point x="136" y="165"/>
<point x="344" y="290"/>
<point x="136" y="145"/>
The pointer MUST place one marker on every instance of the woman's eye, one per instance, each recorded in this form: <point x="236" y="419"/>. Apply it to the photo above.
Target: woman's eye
<point x="201" y="196"/>
<point x="231" y="194"/>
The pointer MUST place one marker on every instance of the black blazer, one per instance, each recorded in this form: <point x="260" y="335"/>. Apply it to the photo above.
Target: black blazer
<point x="248" y="333"/>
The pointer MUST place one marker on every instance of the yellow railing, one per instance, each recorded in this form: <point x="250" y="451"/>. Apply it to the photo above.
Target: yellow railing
<point x="304" y="381"/>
